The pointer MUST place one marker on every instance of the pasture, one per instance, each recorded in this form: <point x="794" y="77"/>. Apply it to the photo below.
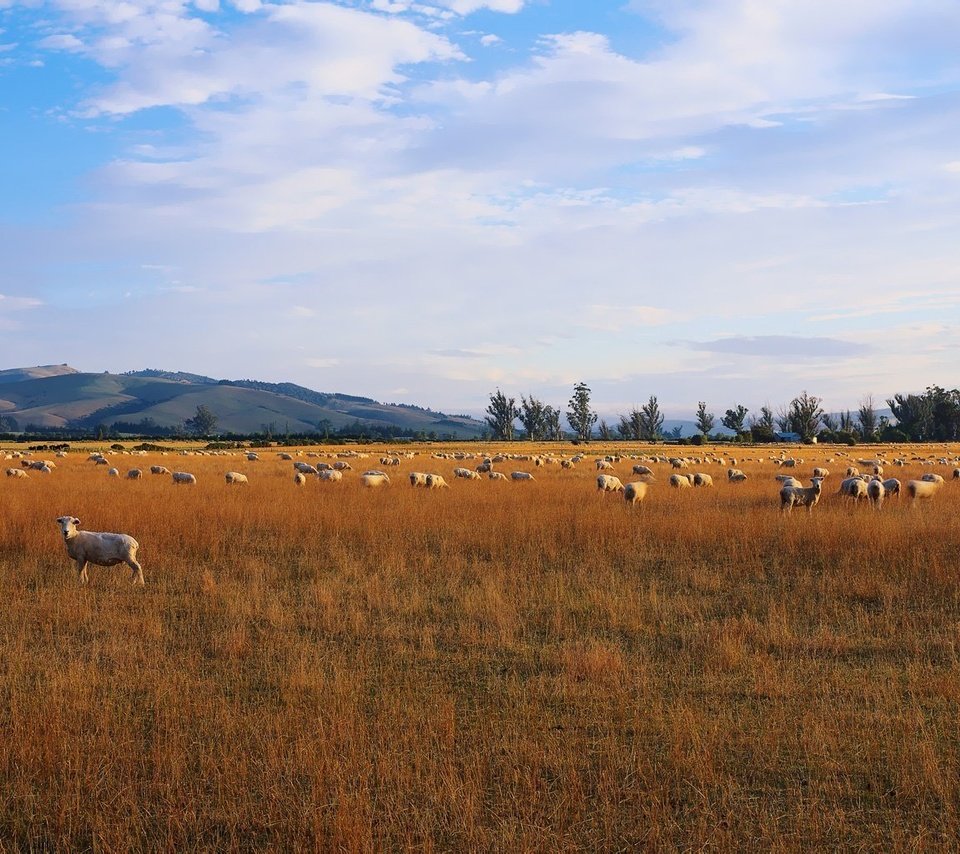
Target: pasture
<point x="509" y="666"/>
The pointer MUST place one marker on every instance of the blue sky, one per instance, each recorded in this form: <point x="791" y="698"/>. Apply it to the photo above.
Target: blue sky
<point x="729" y="201"/>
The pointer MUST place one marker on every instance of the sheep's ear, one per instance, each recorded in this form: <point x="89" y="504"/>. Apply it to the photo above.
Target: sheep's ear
<point x="76" y="521"/>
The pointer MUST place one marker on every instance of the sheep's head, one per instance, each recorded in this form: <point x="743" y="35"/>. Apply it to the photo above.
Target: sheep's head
<point x="68" y="526"/>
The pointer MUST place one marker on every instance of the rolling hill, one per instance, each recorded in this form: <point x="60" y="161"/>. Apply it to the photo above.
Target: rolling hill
<point x="63" y="398"/>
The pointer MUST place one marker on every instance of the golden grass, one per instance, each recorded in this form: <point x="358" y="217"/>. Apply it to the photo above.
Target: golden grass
<point x="497" y="666"/>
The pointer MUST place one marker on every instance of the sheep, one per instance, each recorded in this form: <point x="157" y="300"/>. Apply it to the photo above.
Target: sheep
<point x="680" y="481"/>
<point x="183" y="477"/>
<point x="252" y="457"/>
<point x="853" y="487"/>
<point x="466" y="474"/>
<point x="932" y="478"/>
<point x="822" y="473"/>
<point x="113" y="472"/>
<point x="101" y="549"/>
<point x="436" y="481"/>
<point x="389" y="461"/>
<point x="342" y="465"/>
<point x="19" y="473"/>
<point x="304" y="468"/>
<point x="159" y="470"/>
<point x="788" y="480"/>
<point x="284" y="456"/>
<point x="801" y="496"/>
<point x="634" y="492"/>
<point x="418" y="478"/>
<point x="604" y="465"/>
<point x="609" y="483"/>
<point x="299" y="478"/>
<point x="521" y="475"/>
<point x="852" y="471"/>
<point x="700" y="479"/>
<point x="876" y="492"/>
<point x="374" y="478"/>
<point x="956" y="474"/>
<point x="331" y="475"/>
<point x="922" y="489"/>
<point x="735" y="476"/>
<point x="891" y="486"/>
<point x="678" y="463"/>
<point x="496" y="475"/>
<point x="235" y="477"/>
<point x="567" y="464"/>
<point x="878" y="470"/>
<point x="638" y="469"/>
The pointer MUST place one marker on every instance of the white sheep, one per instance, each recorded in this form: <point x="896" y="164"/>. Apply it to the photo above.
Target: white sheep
<point x="179" y="477"/>
<point x="496" y="475"/>
<point x="299" y="478"/>
<point x="852" y="471"/>
<point x="18" y="473"/>
<point x="634" y="492"/>
<point x="680" y="481"/>
<point x="331" y="475"/>
<point x="801" y="496"/>
<point x="252" y="457"/>
<point x="342" y="465"/>
<point x="609" y="483"/>
<point x="304" y="468"/>
<point x="135" y="474"/>
<point x="113" y="472"/>
<point x="822" y="473"/>
<point x="933" y="478"/>
<point x="235" y="477"/>
<point x="418" y="478"/>
<point x="639" y="469"/>
<point x="956" y="474"/>
<point x="436" y="481"/>
<point x="876" y="492"/>
<point x="159" y="470"/>
<point x="604" y="465"/>
<point x="922" y="490"/>
<point x="374" y="478"/>
<point x="283" y="455"/>
<point x="567" y="464"/>
<point x="891" y="486"/>
<point x="700" y="479"/>
<point x="853" y="487"/>
<point x="735" y="476"/>
<point x="102" y="549"/>
<point x="521" y="475"/>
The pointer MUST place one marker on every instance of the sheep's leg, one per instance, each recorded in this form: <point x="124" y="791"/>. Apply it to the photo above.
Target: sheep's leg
<point x="82" y="570"/>
<point x="137" y="570"/>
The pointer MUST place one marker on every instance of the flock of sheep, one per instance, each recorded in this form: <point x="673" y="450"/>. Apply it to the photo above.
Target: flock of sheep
<point x="108" y="549"/>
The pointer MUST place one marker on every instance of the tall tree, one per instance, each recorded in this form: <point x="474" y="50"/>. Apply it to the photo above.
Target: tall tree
<point x="580" y="416"/>
<point x="501" y="413"/>
<point x="705" y="420"/>
<point x="203" y="422"/>
<point x="846" y="421"/>
<point x="532" y="417"/>
<point x="551" y="421"/>
<point x="604" y="431"/>
<point x="734" y="419"/>
<point x="805" y="415"/>
<point x="631" y="425"/>
<point x="867" y="416"/>
<point x="651" y="420"/>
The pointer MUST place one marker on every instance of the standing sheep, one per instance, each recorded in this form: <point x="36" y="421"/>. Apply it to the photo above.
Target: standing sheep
<point x="801" y="496"/>
<point x="680" y="481"/>
<point x="299" y="478"/>
<point x="102" y="549"/>
<point x="179" y="477"/>
<point x="235" y="477"/>
<point x="634" y="492"/>
<point x="922" y="490"/>
<point x="700" y="479"/>
<point x="134" y="474"/>
<point x="608" y="483"/>
<point x="876" y="492"/>
<point x="374" y="478"/>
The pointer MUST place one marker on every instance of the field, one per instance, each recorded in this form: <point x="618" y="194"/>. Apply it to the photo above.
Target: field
<point x="492" y="667"/>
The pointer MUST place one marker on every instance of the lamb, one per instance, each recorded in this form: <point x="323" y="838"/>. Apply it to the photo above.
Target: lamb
<point x="331" y="475"/>
<point x="801" y="496"/>
<point x="184" y="477"/>
<point x="159" y="470"/>
<point x="876" y="492"/>
<point x="235" y="477"/>
<point x="299" y="478"/>
<point x="680" y="481"/>
<point x="374" y="478"/>
<point x="521" y="475"/>
<point x="436" y="481"/>
<point x="700" y="479"/>
<point x="19" y="473"/>
<point x="922" y="490"/>
<point x="634" y="492"/>
<point x="609" y="483"/>
<point x="102" y="549"/>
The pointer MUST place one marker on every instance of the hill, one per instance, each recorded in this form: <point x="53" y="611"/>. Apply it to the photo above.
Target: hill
<point x="59" y="397"/>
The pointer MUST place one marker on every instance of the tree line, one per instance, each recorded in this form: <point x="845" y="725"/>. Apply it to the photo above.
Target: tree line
<point x="931" y="416"/>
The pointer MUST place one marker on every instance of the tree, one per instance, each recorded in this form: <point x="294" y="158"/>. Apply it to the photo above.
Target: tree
<point x="501" y="413"/>
<point x="734" y="419"/>
<point x="551" y="421"/>
<point x="705" y="420"/>
<point x="8" y="424"/>
<point x="651" y="420"/>
<point x="606" y="434"/>
<point x="676" y="432"/>
<point x="631" y="425"/>
<point x="203" y="423"/>
<point x="580" y="416"/>
<point x="805" y="415"/>
<point x="867" y="416"/>
<point x="532" y="417"/>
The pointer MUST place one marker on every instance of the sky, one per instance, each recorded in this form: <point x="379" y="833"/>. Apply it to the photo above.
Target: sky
<point x="722" y="200"/>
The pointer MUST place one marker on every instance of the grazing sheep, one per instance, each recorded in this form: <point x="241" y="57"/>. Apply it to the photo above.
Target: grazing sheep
<point x="956" y="474"/>
<point x="604" y="465"/>
<point x="891" y="486"/>
<point x="16" y="473"/>
<point x="638" y="469"/>
<point x="284" y="456"/>
<point x="878" y="470"/>
<point x="852" y="471"/>
<point x="567" y="464"/>
<point x="609" y="483"/>
<point x="922" y="490"/>
<point x="634" y="492"/>
<point x="113" y="472"/>
<point x="788" y="480"/>
<point x="235" y="477"/>
<point x="801" y="496"/>
<point x="418" y="478"/>
<point x="876" y="492"/>
<point x="159" y="470"/>
<point x="374" y="478"/>
<point x="853" y="487"/>
<point x="134" y="474"/>
<point x="436" y="481"/>
<point x="342" y="465"/>
<point x="933" y="478"/>
<point x="183" y="477"/>
<point x="735" y="476"/>
<point x="496" y="475"/>
<point x="102" y="549"/>
<point x="822" y="473"/>
<point x="304" y="468"/>
<point x="331" y="475"/>
<point x="700" y="479"/>
<point x="680" y="481"/>
<point x="299" y="478"/>
<point x="521" y="475"/>
<point x="252" y="457"/>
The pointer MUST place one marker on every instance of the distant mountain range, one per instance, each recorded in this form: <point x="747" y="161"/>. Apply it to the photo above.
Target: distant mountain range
<point x="59" y="396"/>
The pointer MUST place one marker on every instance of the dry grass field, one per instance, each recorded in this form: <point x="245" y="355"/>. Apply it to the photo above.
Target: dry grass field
<point x="492" y="667"/>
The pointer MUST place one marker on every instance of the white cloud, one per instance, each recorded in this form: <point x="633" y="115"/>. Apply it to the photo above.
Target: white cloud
<point x="60" y="41"/>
